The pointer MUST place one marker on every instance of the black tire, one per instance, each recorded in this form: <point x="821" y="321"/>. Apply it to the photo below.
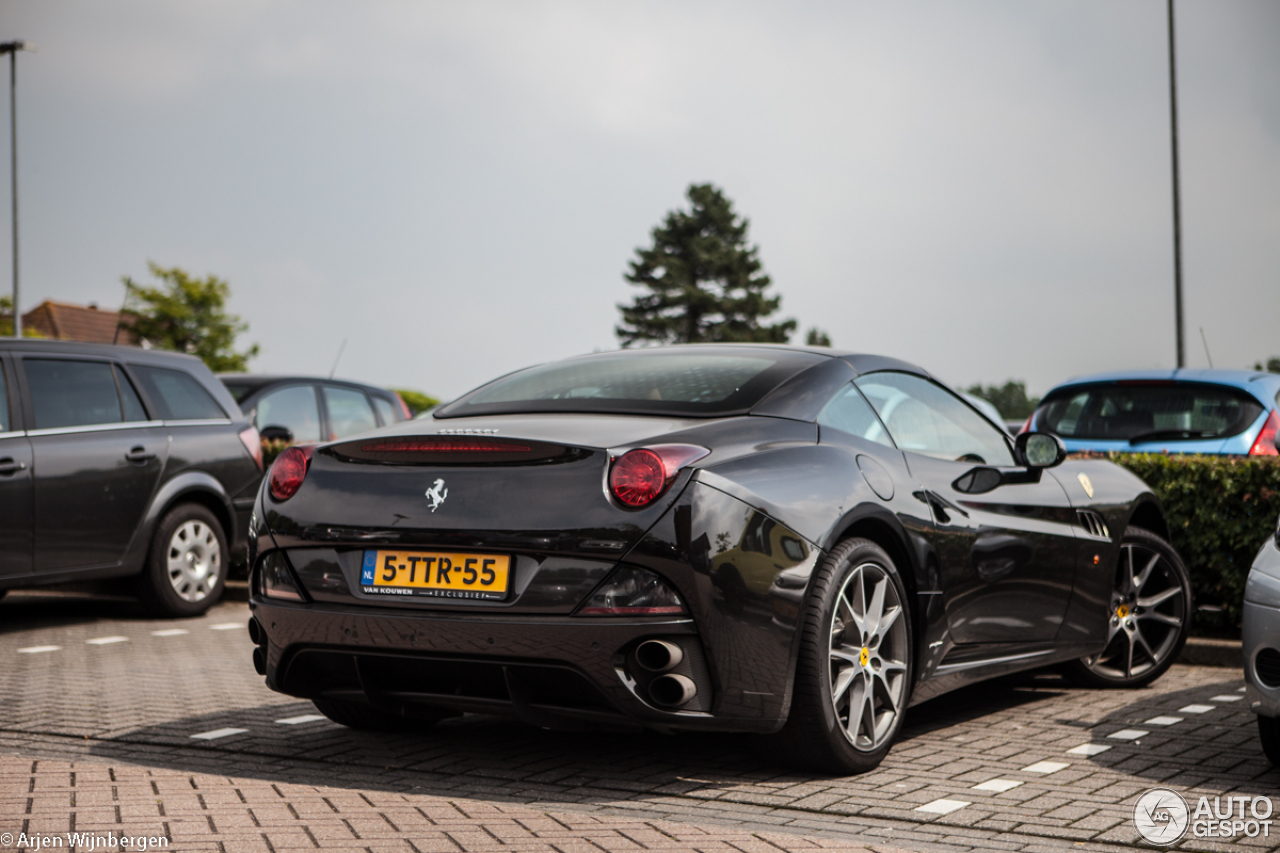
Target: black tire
<point x="1131" y="659"/>
<point x="189" y="540"/>
<point x="364" y="717"/>
<point x="1269" y="733"/>
<point x="817" y="735"/>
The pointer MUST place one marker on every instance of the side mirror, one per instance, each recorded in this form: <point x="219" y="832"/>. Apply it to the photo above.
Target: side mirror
<point x="277" y="433"/>
<point x="1039" y="450"/>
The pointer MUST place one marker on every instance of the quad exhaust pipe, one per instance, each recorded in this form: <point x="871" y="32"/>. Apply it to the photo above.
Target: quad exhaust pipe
<point x="659" y="655"/>
<point x="668" y="689"/>
<point x="671" y="691"/>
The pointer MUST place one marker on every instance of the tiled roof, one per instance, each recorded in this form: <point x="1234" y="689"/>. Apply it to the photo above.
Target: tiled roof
<point x="66" y="322"/>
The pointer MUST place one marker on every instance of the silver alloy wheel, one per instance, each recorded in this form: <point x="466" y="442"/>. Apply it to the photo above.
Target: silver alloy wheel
<point x="868" y="650"/>
<point x="194" y="560"/>
<point x="1148" y="609"/>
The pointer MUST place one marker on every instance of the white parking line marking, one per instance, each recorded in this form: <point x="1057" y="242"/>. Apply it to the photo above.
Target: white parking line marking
<point x="1163" y="721"/>
<point x="1089" y="749"/>
<point x="217" y="733"/>
<point x="1196" y="709"/>
<point x="170" y="632"/>
<point x="225" y="626"/>
<point x="35" y="650"/>
<point x="305" y="718"/>
<point x="1226" y="698"/>
<point x="942" y="806"/>
<point x="998" y="785"/>
<point x="105" y="641"/>
<point x="1128" y="734"/>
<point x="1045" y="767"/>
<point x="1241" y="689"/>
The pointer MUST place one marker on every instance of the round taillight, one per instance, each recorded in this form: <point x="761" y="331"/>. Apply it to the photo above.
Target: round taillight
<point x="638" y="477"/>
<point x="288" y="472"/>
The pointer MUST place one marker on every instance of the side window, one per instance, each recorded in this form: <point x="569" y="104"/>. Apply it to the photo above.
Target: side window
<point x="849" y="412"/>
<point x="927" y="419"/>
<point x="72" y="393"/>
<point x="5" y="420"/>
<point x="349" y="412"/>
<point x="293" y="408"/>
<point x="129" y="400"/>
<point x="179" y="396"/>
<point x="386" y="410"/>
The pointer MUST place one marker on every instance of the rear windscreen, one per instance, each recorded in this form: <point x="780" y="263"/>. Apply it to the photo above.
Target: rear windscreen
<point x="1148" y="411"/>
<point x="709" y="383"/>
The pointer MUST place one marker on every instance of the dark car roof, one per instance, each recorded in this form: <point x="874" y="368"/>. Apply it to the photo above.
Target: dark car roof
<point x="130" y="355"/>
<point x="257" y="381"/>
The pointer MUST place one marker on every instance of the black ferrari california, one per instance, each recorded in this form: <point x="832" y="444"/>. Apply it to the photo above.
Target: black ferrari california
<point x="799" y="543"/>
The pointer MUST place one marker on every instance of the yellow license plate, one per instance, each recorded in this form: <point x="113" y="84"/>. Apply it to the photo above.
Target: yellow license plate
<point x="435" y="573"/>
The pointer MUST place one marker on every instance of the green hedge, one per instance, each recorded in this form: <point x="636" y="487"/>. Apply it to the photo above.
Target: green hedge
<point x="1220" y="511"/>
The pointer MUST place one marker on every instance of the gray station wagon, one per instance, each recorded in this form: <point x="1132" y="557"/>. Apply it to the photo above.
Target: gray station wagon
<point x="118" y="461"/>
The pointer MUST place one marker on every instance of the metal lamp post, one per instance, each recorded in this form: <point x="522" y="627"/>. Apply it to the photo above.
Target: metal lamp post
<point x="1177" y="197"/>
<point x="12" y="48"/>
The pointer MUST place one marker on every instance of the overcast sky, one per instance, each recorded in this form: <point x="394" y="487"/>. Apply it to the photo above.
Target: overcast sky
<point x="981" y="187"/>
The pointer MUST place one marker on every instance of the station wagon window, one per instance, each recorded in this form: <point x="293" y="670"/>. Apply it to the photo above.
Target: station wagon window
<point x="293" y="408"/>
<point x="177" y="395"/>
<point x="72" y="393"/>
<point x="927" y="419"/>
<point x="129" y="399"/>
<point x="349" y="412"/>
<point x="849" y="412"/>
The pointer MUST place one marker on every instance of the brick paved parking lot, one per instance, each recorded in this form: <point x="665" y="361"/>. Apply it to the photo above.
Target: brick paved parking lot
<point x="113" y="723"/>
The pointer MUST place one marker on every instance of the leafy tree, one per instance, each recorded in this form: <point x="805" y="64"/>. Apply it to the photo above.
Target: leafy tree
<point x="1272" y="365"/>
<point x="416" y="400"/>
<point x="817" y="338"/>
<point x="1011" y="400"/>
<point x="703" y="282"/>
<point x="187" y="314"/>
<point x="6" y="320"/>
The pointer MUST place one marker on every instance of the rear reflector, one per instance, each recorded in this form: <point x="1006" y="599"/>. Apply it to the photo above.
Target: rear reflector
<point x="632" y="591"/>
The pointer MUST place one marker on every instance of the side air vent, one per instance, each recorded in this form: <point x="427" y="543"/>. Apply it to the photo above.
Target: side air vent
<point x="1093" y="523"/>
<point x="1267" y="665"/>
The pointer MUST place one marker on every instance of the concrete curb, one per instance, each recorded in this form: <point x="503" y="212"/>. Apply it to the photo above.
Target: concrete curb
<point x="1204" y="651"/>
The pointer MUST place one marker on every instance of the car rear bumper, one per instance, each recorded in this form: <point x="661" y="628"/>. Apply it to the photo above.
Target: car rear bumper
<point x="549" y="671"/>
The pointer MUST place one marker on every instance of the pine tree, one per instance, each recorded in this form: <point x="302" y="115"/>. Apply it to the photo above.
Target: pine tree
<point x="704" y="283"/>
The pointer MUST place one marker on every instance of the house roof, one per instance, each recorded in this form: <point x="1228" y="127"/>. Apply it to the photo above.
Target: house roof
<point x="68" y="322"/>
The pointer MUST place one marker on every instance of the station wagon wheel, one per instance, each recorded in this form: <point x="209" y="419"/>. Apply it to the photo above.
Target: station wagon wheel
<point x="868" y="672"/>
<point x="853" y="667"/>
<point x="1148" y="617"/>
<point x="194" y="560"/>
<point x="186" y="568"/>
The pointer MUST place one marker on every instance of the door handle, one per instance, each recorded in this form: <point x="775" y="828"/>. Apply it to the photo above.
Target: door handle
<point x="139" y="455"/>
<point x="8" y="467"/>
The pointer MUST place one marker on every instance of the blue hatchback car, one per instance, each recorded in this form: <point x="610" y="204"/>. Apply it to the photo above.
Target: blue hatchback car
<point x="1156" y="411"/>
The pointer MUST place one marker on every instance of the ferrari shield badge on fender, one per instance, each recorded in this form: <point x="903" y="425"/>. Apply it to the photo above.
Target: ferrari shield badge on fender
<point x="437" y="493"/>
<point x="1083" y="478"/>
